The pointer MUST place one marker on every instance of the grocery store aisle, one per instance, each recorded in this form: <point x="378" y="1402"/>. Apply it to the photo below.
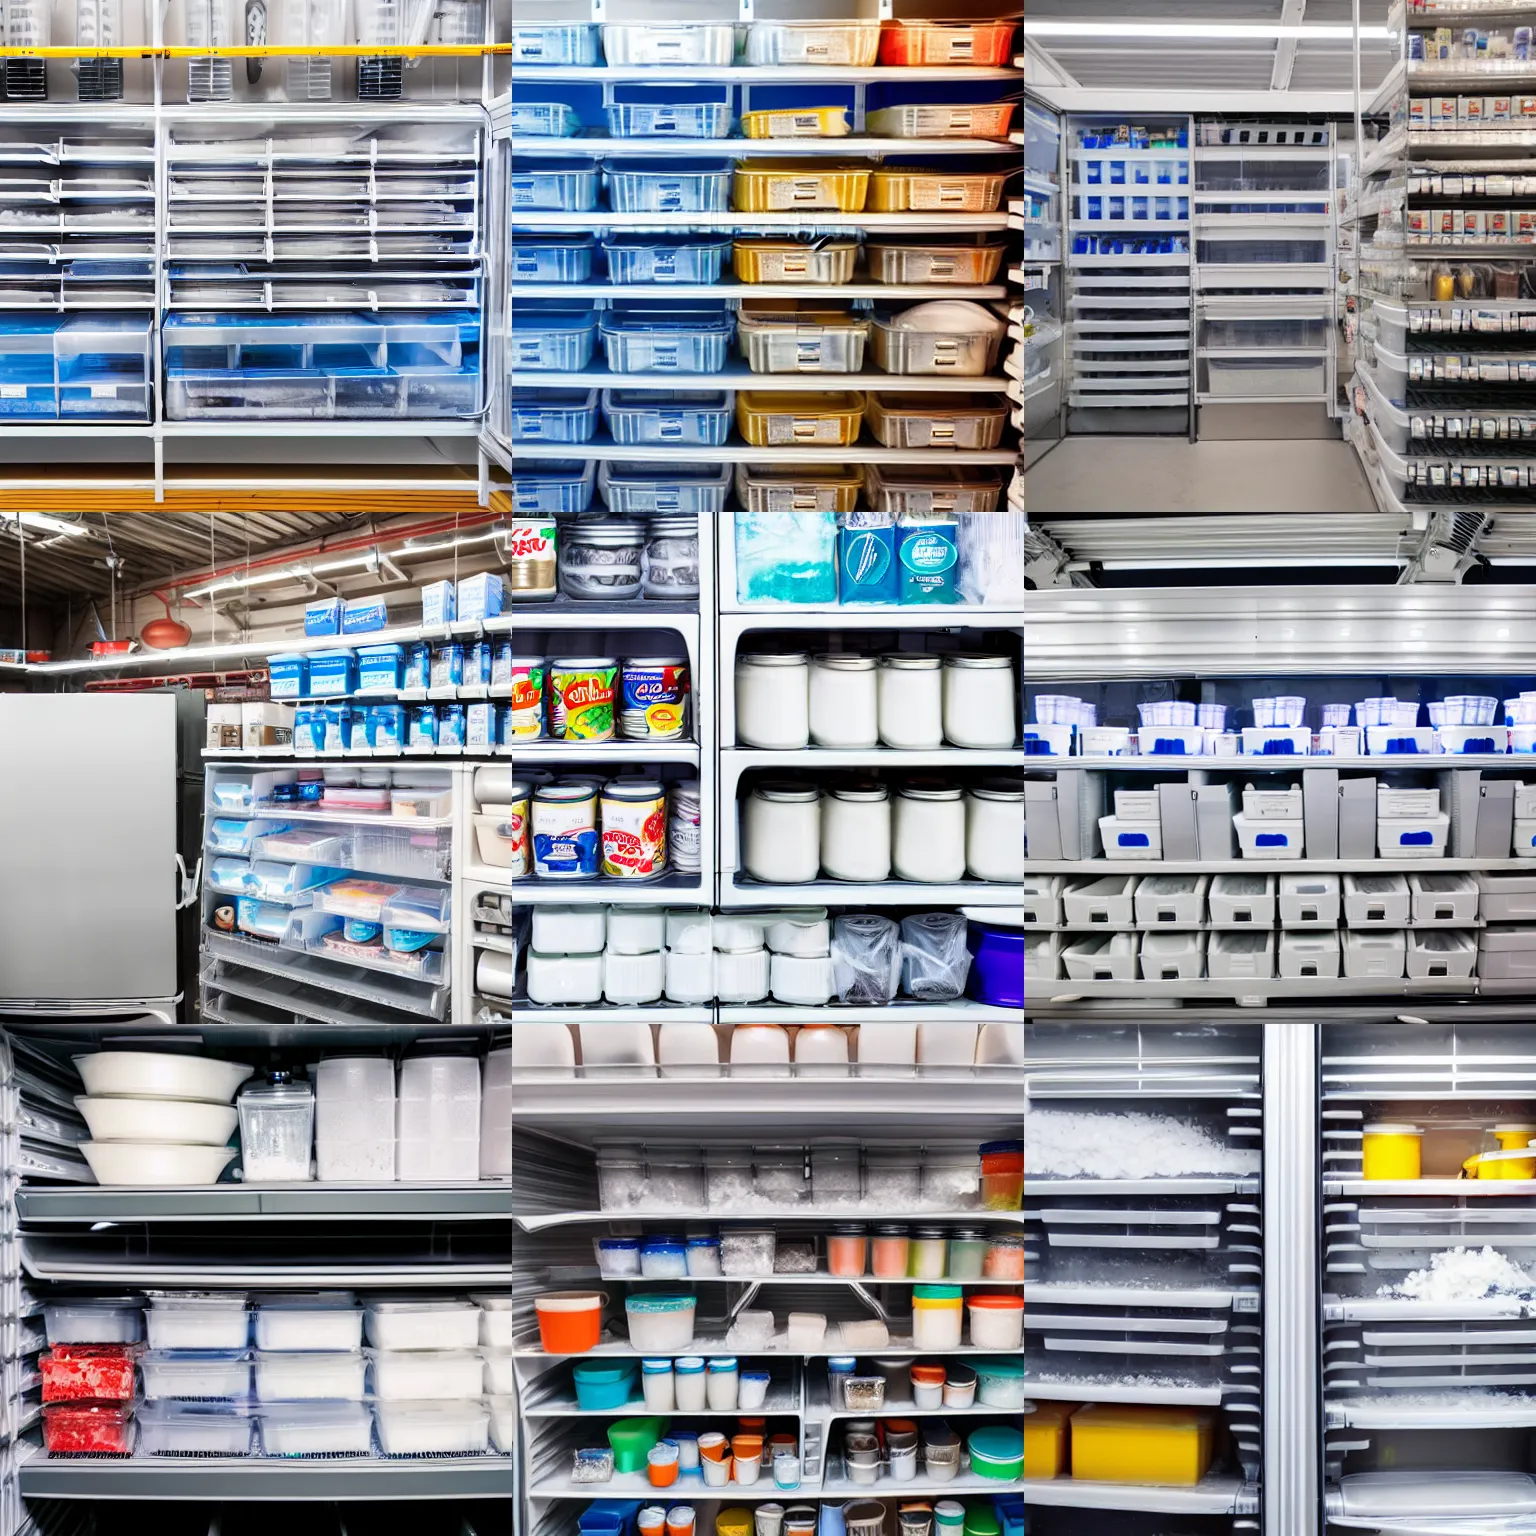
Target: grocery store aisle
<point x="1158" y="474"/>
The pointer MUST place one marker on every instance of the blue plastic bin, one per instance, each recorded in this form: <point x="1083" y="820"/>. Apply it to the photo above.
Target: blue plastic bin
<point x="690" y="418"/>
<point x="552" y="415"/>
<point x="289" y="676"/>
<point x="556" y="486"/>
<point x="556" y="339"/>
<point x="545" y="120"/>
<point x="379" y="667"/>
<point x="641" y="339"/>
<point x="567" y="43"/>
<point x="669" y="186"/>
<point x="563" y="186"/>
<point x="665" y="258"/>
<point x="651" y="487"/>
<point x="669" y="112"/>
<point x="553" y="258"/>
<point x="332" y="674"/>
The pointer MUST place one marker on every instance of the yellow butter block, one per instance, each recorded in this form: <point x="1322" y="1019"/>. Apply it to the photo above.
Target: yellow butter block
<point x="1116" y="1443"/>
<point x="1045" y="1440"/>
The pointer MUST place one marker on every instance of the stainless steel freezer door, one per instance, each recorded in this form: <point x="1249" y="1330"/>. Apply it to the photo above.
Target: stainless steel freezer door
<point x="87" y="847"/>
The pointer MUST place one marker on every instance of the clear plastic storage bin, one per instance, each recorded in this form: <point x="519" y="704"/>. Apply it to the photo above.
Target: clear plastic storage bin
<point x="544" y="120"/>
<point x="1263" y="377"/>
<point x="798" y="488"/>
<point x="561" y="186"/>
<point x="764" y="259"/>
<point x="976" y="120"/>
<point x="554" y="487"/>
<point x="775" y="186"/>
<point x="921" y="190"/>
<point x="797" y="123"/>
<point x="194" y="1429"/>
<point x="669" y="186"/>
<point x="917" y="420"/>
<point x="801" y="336"/>
<point x="552" y="258"/>
<point x="777" y="418"/>
<point x="669" y="112"/>
<point x="934" y="488"/>
<point x="688" y="418"/>
<point x="669" y="43"/>
<point x="959" y="353"/>
<point x="665" y="258"/>
<point x="646" y="488"/>
<point x="654" y="339"/>
<point x="855" y="43"/>
<point x="571" y="43"/>
<point x="198" y="1375"/>
<point x="317" y="1429"/>
<point x="917" y="261"/>
<point x="551" y="340"/>
<point x="1438" y="954"/>
<point x="552" y="415"/>
<point x="947" y="42"/>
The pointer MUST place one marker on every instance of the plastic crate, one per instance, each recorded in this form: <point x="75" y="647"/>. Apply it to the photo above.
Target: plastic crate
<point x="669" y="186"/>
<point x="947" y="42"/>
<point x="957" y="353"/>
<point x="934" y="488"/>
<point x="687" y="418"/>
<point x="555" y="486"/>
<point x="769" y="260"/>
<point x="553" y="258"/>
<point x="798" y="487"/>
<point x="930" y="191"/>
<point x="801" y="336"/>
<point x="669" y="112"/>
<point x="978" y="120"/>
<point x="907" y="261"/>
<point x="572" y="43"/>
<point x="665" y="258"/>
<point x="777" y="186"/>
<point x="855" y="43"/>
<point x="561" y="186"/>
<point x="1260" y="377"/>
<point x="775" y="418"/>
<point x="644" y="339"/>
<point x="555" y="340"/>
<point x="552" y="415"/>
<point x="797" y="123"/>
<point x="544" y="119"/>
<point x="669" y="43"/>
<point x="649" y="487"/>
<point x="917" y="420"/>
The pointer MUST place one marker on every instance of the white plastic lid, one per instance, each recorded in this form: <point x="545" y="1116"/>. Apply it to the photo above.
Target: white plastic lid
<point x="1389" y="1128"/>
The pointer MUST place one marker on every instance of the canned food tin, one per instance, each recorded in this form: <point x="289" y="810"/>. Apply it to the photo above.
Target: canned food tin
<point x="565" y="841"/>
<point x="522" y="793"/>
<point x="655" y="697"/>
<point x="634" y="829"/>
<point x="581" y="698"/>
<point x="528" y="673"/>
<point x="531" y="563"/>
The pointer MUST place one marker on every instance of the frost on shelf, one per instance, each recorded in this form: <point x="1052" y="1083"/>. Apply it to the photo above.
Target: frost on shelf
<point x="1435" y="1403"/>
<point x="1463" y="1274"/>
<point x="1071" y="1145"/>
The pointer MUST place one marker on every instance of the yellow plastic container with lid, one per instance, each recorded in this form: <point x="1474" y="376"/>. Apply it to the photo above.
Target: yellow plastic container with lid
<point x="782" y="186"/>
<point x="933" y="191"/>
<point x="797" y="123"/>
<point x="733" y="1522"/>
<point x="1046" y="1439"/>
<point x="1393" y="1151"/>
<point x="1511" y="1138"/>
<point x="777" y="418"/>
<point x="1121" y="1443"/>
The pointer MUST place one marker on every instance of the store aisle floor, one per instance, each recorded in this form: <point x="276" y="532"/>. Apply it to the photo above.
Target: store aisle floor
<point x="1157" y="474"/>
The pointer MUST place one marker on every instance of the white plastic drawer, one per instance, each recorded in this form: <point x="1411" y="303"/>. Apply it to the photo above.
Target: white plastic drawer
<point x="1042" y="900"/>
<point x="1042" y="957"/>
<point x="1241" y="956"/>
<point x="1442" y="898"/>
<point x="1171" y="901"/>
<point x="1439" y="953"/>
<point x="1394" y="803"/>
<point x="1267" y="839"/>
<point x="1103" y="957"/>
<point x="1413" y="837"/>
<point x="1106" y="902"/>
<point x="1376" y="899"/>
<point x="1246" y="899"/>
<point x="1304" y="956"/>
<point x="1131" y="839"/>
<point x="1272" y="804"/>
<point x="1254" y="378"/>
<point x="1525" y="838"/>
<point x="1525" y="802"/>
<point x="1138" y="804"/>
<point x="1309" y="899"/>
<point x="1506" y="898"/>
<point x="1375" y="954"/>
<point x="1172" y="956"/>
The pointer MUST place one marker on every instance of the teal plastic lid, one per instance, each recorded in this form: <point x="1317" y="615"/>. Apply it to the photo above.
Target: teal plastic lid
<point x="597" y="1373"/>
<point x="999" y="1442"/>
<point x="937" y="1292"/>
<point x="1012" y="1370"/>
<point x="660" y="1303"/>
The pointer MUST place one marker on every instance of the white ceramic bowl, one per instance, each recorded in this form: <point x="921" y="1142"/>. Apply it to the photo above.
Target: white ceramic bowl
<point x="155" y="1162"/>
<point x="160" y="1075"/>
<point x="179" y="1121"/>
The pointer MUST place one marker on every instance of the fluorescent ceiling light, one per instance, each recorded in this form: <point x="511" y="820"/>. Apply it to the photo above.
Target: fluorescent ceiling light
<point x="1199" y="29"/>
<point x="45" y="523"/>
<point x="440" y="544"/>
<point x="289" y="573"/>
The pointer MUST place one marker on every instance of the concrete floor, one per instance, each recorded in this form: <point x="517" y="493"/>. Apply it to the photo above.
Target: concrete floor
<point x="1169" y="474"/>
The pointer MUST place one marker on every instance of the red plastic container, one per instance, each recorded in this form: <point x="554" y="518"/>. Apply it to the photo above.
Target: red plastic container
<point x="93" y="1373"/>
<point x="947" y="42"/>
<point x="88" y="1429"/>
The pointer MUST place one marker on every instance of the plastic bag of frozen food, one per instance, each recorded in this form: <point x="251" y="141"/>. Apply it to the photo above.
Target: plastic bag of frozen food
<point x="866" y="958"/>
<point x="786" y="557"/>
<point x="935" y="960"/>
<point x="992" y="558"/>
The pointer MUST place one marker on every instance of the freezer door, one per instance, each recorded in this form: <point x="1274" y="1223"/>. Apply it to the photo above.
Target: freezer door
<point x="87" y="847"/>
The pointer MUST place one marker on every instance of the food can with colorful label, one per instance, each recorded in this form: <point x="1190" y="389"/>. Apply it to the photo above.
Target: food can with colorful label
<point x="528" y="673"/>
<point x="565" y="841"/>
<point x="634" y="829"/>
<point x="531" y="559"/>
<point x="582" y="692"/>
<point x="522" y="795"/>
<point x="655" y="697"/>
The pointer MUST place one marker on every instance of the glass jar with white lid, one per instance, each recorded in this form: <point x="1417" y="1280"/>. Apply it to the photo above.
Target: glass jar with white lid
<point x="773" y="700"/>
<point x="994" y="830"/>
<point x="856" y="832"/>
<point x="781" y="833"/>
<point x="911" y="702"/>
<point x="928" y="832"/>
<point x="981" y="709"/>
<point x="844" y="703"/>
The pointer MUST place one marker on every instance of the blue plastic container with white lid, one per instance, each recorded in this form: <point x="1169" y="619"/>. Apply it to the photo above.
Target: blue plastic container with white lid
<point x="332" y="673"/>
<point x="554" y="486"/>
<point x="648" y="487"/>
<point x="688" y="418"/>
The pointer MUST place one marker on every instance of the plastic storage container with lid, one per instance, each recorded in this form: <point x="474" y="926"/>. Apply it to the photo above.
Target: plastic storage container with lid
<point x="973" y="120"/>
<point x="194" y="1429"/>
<point x="319" y="1321"/>
<point x="565" y="185"/>
<point x="648" y="489"/>
<point x="770" y="259"/>
<point x="311" y="1376"/>
<point x="782" y="186"/>
<point x="277" y="1125"/>
<point x="438" y="1119"/>
<point x="561" y="43"/>
<point x="801" y="336"/>
<point x="552" y="258"/>
<point x="947" y="42"/>
<point x="94" y="1321"/>
<point x="544" y="119"/>
<point x="665" y="258"/>
<point x="686" y="418"/>
<point x="656" y="339"/>
<point x="406" y="1325"/>
<point x="316" y="1429"/>
<point x="933" y="488"/>
<point x="643" y="111"/>
<point x="916" y="420"/>
<point x="214" y="1321"/>
<point x="796" y="123"/>
<point x="933" y="261"/>
<point x="961" y="352"/>
<point x="552" y="415"/>
<point x="855" y="43"/>
<point x="803" y="487"/>
<point x="669" y="186"/>
<point x="775" y="418"/>
<point x="915" y="189"/>
<point x="432" y="1428"/>
<point x="196" y="1374"/>
<point x="560" y="339"/>
<point x="669" y="43"/>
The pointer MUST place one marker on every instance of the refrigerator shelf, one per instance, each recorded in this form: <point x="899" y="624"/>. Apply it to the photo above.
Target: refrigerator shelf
<point x="242" y="1202"/>
<point x="1141" y="1188"/>
<point x="297" y="1001"/>
<point x="1215" y="1495"/>
<point x="543" y="1223"/>
<point x="455" y="1477"/>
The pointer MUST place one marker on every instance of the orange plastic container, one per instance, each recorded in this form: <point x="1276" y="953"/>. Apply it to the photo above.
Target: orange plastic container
<point x="1002" y="1176"/>
<point x="946" y="42"/>
<point x="570" y="1322"/>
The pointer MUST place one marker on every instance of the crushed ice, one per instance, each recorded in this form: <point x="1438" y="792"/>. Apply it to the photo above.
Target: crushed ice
<point x="1114" y="1145"/>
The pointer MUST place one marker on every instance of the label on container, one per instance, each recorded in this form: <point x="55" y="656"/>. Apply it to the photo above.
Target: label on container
<point x="867" y="560"/>
<point x="804" y="429"/>
<point x="800" y="192"/>
<point x="582" y="702"/>
<point x="928" y="556"/>
<point x="531" y="557"/>
<point x="527" y="701"/>
<point x="655" y="697"/>
<point x="794" y="125"/>
<point x="565" y="840"/>
<point x="520" y="838"/>
<point x="634" y="837"/>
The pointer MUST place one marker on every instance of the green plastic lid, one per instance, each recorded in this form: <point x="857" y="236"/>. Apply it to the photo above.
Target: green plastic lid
<point x="1013" y="1370"/>
<point x="937" y="1292"/>
<point x="980" y="1521"/>
<point x="1000" y="1442"/>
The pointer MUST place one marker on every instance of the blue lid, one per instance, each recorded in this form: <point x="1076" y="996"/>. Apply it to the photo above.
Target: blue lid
<point x="620" y="1244"/>
<point x="688" y="1365"/>
<point x="394" y="651"/>
<point x="555" y="163"/>
<point x="566" y="319"/>
<point x="661" y="1245"/>
<point x="755" y="1376"/>
<point x="656" y="1367"/>
<point x="842" y="1363"/>
<point x="659" y="1303"/>
<point x="554" y="242"/>
<point x="703" y="1242"/>
<point x="723" y="1363"/>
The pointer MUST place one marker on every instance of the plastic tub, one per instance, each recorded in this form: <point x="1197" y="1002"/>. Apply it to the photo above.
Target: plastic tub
<point x="194" y="1429"/>
<point x="686" y="418"/>
<point x="316" y="1429"/>
<point x="933" y="488"/>
<point x="565" y="43"/>
<point x="436" y="1324"/>
<point x="775" y="418"/>
<point x="669" y="186"/>
<point x="552" y="415"/>
<point x="544" y="120"/>
<point x="94" y="1322"/>
<point x="556" y="185"/>
<point x="176" y="1120"/>
<point x="927" y="261"/>
<point x="154" y="1163"/>
<point x="917" y="420"/>
<point x="426" y="1375"/>
<point x="947" y="42"/>
<point x="922" y="190"/>
<point x="297" y="1377"/>
<point x="997" y="1451"/>
<point x="554" y="486"/>
<point x="639" y="339"/>
<point x="669" y="112"/>
<point x="660" y="1323"/>
<point x="75" y="1373"/>
<point x="647" y="488"/>
<point x="1115" y="1443"/>
<point x="801" y="336"/>
<point x="196" y="1375"/>
<point x="603" y="1385"/>
<point x="203" y="1322"/>
<point x="665" y="258"/>
<point x="810" y="487"/>
<point x="544" y="340"/>
<point x="1000" y="1383"/>
<point x="93" y="1429"/>
<point x="669" y="43"/>
<point x="776" y="186"/>
<point x="976" y="120"/>
<point x="957" y="353"/>
<point x="797" y="123"/>
<point x="997" y="1320"/>
<point x="766" y="259"/>
<point x="156" y="1075"/>
<point x="855" y="43"/>
<point x="552" y="258"/>
<point x="317" y="1322"/>
<point x="570" y="1322"/>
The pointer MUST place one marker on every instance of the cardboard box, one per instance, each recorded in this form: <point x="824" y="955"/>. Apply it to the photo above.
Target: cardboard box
<point x="323" y="617"/>
<point x="266" y="725"/>
<point x="479" y="725"/>
<point x="481" y="597"/>
<point x="438" y="603"/>
<point x="364" y="615"/>
<point x="225" y="725"/>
